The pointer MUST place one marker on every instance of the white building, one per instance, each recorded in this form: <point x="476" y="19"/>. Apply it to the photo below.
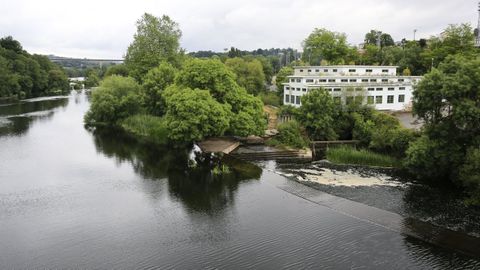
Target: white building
<point x="376" y="85"/>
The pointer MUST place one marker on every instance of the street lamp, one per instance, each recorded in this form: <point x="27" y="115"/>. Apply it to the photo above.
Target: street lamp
<point x="414" y="31"/>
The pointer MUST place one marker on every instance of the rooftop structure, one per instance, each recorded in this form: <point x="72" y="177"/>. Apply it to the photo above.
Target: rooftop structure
<point x="379" y="86"/>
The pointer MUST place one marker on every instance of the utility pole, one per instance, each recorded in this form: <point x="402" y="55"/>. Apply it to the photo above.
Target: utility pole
<point x="379" y="36"/>
<point x="477" y="38"/>
<point x="414" y="32"/>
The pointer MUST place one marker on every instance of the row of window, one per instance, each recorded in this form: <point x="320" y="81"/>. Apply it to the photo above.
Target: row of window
<point x="350" y="70"/>
<point x="292" y="99"/>
<point x="349" y="89"/>
<point x="297" y="80"/>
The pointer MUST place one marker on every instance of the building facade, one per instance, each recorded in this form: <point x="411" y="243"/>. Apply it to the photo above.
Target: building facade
<point x="378" y="86"/>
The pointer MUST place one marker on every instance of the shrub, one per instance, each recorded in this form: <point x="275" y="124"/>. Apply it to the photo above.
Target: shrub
<point x="116" y="98"/>
<point x="151" y="128"/>
<point x="290" y="134"/>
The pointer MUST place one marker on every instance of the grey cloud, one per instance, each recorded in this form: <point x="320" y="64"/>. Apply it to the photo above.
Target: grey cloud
<point x="105" y="28"/>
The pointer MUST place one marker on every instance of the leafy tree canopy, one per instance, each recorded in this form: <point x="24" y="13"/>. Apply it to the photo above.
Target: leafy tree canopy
<point x="156" y="40"/>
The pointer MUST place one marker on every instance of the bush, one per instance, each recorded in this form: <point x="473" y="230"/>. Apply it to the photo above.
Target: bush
<point x="270" y="98"/>
<point x="115" y="99"/>
<point x="151" y="128"/>
<point x="290" y="134"/>
<point x="349" y="155"/>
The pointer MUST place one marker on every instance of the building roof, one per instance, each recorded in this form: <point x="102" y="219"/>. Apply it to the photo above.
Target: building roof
<point x="346" y="66"/>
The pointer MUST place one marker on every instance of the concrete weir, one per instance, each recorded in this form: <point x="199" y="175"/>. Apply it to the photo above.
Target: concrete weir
<point x="219" y="145"/>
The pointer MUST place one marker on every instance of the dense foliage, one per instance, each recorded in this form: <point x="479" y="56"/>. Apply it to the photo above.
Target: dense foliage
<point x="249" y="74"/>
<point x="148" y="127"/>
<point x="115" y="99"/>
<point x="154" y="83"/>
<point x="23" y="75"/>
<point x="448" y="100"/>
<point x="290" y="134"/>
<point x="194" y="114"/>
<point x="156" y="40"/>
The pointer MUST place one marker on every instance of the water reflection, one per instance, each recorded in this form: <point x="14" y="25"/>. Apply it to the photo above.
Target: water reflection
<point x="17" y="118"/>
<point x="198" y="187"/>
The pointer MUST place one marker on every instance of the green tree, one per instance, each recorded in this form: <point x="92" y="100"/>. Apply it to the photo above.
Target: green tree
<point x="120" y="70"/>
<point x="115" y="99"/>
<point x="318" y="115"/>
<point x="154" y="83"/>
<point x="322" y="44"/>
<point x="282" y="78"/>
<point x="156" y="40"/>
<point x="249" y="74"/>
<point x="92" y="78"/>
<point x="212" y="75"/>
<point x="371" y="38"/>
<point x="194" y="114"/>
<point x="447" y="100"/>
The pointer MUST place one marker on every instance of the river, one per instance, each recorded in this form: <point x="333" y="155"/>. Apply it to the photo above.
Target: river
<point x="76" y="198"/>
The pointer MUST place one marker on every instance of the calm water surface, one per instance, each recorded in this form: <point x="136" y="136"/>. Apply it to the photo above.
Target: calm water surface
<point x="73" y="198"/>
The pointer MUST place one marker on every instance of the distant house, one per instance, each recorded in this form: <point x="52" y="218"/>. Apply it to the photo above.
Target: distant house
<point x="379" y="86"/>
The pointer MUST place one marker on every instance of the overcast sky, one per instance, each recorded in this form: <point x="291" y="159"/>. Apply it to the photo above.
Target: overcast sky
<point x="104" y="28"/>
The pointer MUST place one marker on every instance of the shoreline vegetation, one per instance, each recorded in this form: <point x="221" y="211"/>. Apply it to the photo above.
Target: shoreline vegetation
<point x="163" y="95"/>
<point x="344" y="155"/>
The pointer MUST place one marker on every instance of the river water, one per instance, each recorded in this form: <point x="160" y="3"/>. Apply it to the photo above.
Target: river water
<point x="74" y="198"/>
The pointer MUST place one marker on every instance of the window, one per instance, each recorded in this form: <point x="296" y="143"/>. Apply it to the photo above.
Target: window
<point x="384" y="80"/>
<point x="370" y="100"/>
<point x="353" y="80"/>
<point x="358" y="89"/>
<point x="401" y="88"/>
<point x="325" y="70"/>
<point x="385" y="70"/>
<point x="371" y="89"/>
<point x="322" y="80"/>
<point x="358" y="99"/>
<point x="389" y="99"/>
<point x="337" y="89"/>
<point x="337" y="100"/>
<point x="309" y="80"/>
<point x="391" y="88"/>
<point x="299" y="80"/>
<point x="373" y="80"/>
<point x="297" y="100"/>
<point x="328" y="89"/>
<point x="352" y="70"/>
<point x="317" y="70"/>
<point x="401" y="98"/>
<point x="287" y="98"/>
<point x="364" y="80"/>
<point x="304" y="89"/>
<point x="287" y="88"/>
<point x="292" y="80"/>
<point x="331" y="80"/>
<point x="298" y="89"/>
<point x="309" y="70"/>
<point x="379" y="89"/>
<point x="344" y="80"/>
<point x="401" y="80"/>
<point x="378" y="99"/>
<point x="350" y="89"/>
<point x="301" y="70"/>
<point x="334" y="70"/>
<point x="349" y="100"/>
<point x="369" y="70"/>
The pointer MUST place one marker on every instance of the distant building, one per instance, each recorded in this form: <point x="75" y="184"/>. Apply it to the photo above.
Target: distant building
<point x="379" y="86"/>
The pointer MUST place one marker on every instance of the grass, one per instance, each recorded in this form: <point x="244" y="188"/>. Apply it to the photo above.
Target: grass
<point x="349" y="155"/>
<point x="150" y="128"/>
